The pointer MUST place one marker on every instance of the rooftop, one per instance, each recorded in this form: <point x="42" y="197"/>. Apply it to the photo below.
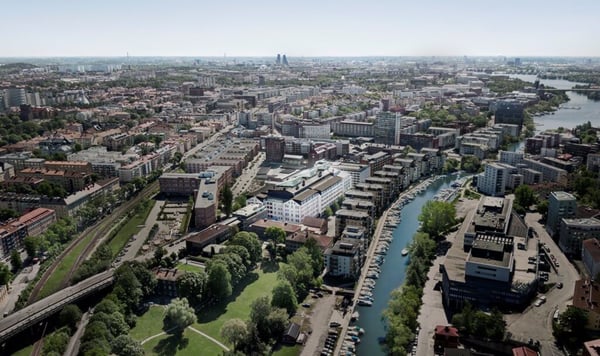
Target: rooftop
<point x="592" y="246"/>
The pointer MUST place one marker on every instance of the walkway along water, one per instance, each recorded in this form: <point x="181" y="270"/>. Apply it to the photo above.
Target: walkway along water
<point x="393" y="270"/>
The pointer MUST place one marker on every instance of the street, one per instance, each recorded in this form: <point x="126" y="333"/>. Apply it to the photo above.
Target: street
<point x="520" y="325"/>
<point x="244" y="182"/>
<point x="19" y="283"/>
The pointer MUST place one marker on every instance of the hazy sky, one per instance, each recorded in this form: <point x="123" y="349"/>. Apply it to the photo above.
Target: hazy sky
<point x="300" y="28"/>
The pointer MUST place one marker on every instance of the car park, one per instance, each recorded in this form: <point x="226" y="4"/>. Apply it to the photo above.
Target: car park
<point x="334" y="324"/>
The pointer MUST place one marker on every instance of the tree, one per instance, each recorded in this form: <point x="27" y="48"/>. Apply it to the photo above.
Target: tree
<point x="56" y="342"/>
<point x="316" y="255"/>
<point x="288" y="273"/>
<point x="278" y="321"/>
<point x="524" y="196"/>
<point x="328" y="212"/>
<point x="159" y="253"/>
<point x="284" y="297"/>
<point x="115" y="323"/>
<point x="437" y="217"/>
<point x="275" y="234"/>
<point x="15" y="259"/>
<point x="219" y="280"/>
<point x="4" y="274"/>
<point x="179" y="315"/>
<point x="470" y="164"/>
<point x="250" y="241"/>
<point x="570" y="329"/>
<point x="128" y="288"/>
<point x="69" y="316"/>
<point x="125" y="345"/>
<point x="192" y="286"/>
<point x="302" y="263"/>
<point x="234" y="331"/>
<point x="227" y="200"/>
<point x="260" y="309"/>
<point x="6" y="214"/>
<point x="242" y="252"/>
<point x="107" y="306"/>
<point x="31" y="245"/>
<point x="542" y="207"/>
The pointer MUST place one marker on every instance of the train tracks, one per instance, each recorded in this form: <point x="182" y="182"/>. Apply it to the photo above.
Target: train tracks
<point x="98" y="231"/>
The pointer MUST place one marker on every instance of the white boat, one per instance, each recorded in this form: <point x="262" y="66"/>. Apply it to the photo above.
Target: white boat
<point x="404" y="251"/>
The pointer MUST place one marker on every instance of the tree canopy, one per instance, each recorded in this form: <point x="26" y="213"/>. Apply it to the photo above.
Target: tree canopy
<point x="179" y="315"/>
<point x="437" y="217"/>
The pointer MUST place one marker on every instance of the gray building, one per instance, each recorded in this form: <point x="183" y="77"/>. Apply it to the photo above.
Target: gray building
<point x="574" y="231"/>
<point x="560" y="205"/>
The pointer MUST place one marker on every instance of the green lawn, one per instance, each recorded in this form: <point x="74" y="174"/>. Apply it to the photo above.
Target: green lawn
<point x="190" y="343"/>
<point x="211" y="320"/>
<point x="148" y="324"/>
<point x="130" y="228"/>
<point x="189" y="267"/>
<point x="287" y="350"/>
<point x="24" y="352"/>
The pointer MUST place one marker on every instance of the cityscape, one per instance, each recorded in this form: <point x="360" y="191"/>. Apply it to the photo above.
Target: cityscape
<point x="313" y="196"/>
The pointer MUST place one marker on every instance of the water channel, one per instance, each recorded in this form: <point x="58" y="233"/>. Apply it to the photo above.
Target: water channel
<point x="394" y="268"/>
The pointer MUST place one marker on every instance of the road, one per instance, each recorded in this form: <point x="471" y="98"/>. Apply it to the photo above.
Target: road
<point x="19" y="283"/>
<point x="319" y="322"/>
<point x="244" y="181"/>
<point x="520" y="324"/>
<point x="75" y="341"/>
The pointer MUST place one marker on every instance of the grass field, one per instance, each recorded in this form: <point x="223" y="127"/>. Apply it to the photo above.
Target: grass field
<point x="130" y="228"/>
<point x="24" y="352"/>
<point x="148" y="324"/>
<point x="189" y="267"/>
<point x="287" y="350"/>
<point x="53" y="283"/>
<point x="259" y="283"/>
<point x="190" y="343"/>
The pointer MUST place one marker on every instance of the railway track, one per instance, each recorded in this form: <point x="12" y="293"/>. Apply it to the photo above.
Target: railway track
<point x="98" y="231"/>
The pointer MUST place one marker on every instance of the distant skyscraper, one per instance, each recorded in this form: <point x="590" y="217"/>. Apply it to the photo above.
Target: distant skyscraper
<point x="284" y="60"/>
<point x="517" y="62"/>
<point x="278" y="59"/>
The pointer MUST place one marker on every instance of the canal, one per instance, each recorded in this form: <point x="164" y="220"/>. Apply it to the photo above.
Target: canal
<point x="393" y="269"/>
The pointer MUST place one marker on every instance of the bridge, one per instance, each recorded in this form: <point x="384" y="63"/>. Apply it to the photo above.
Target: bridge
<point x="40" y="310"/>
<point x="571" y="89"/>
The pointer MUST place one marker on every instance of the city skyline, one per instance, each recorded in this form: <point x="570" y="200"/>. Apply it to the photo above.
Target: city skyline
<point x="314" y="29"/>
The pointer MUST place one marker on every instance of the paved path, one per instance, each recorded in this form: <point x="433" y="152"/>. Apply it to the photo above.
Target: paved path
<point x="210" y="338"/>
<point x="194" y="330"/>
<point x="75" y="341"/>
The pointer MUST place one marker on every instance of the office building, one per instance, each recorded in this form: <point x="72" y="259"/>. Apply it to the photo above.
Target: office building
<point x="509" y="112"/>
<point x="574" y="231"/>
<point x="275" y="148"/>
<point x="560" y="205"/>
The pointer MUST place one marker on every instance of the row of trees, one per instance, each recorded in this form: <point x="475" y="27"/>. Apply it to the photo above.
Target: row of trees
<point x="403" y="308"/>
<point x="13" y="129"/>
<point x="301" y="271"/>
<point x="113" y="317"/>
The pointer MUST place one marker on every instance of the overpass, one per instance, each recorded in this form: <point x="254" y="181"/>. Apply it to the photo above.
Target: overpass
<point x="38" y="311"/>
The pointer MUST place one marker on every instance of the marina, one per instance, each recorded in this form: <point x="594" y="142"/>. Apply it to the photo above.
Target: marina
<point x="385" y="271"/>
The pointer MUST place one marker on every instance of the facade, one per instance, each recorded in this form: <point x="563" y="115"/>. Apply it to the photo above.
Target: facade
<point x="387" y="128"/>
<point x="560" y="205"/>
<point x="11" y="237"/>
<point x="349" y="128"/>
<point x="308" y="193"/>
<point x="37" y="220"/>
<point x="590" y="256"/>
<point x="509" y="112"/>
<point x="358" y="172"/>
<point x="344" y="259"/>
<point x="574" y="231"/>
<point x="494" y="179"/>
<point x="166" y="282"/>
<point x="275" y="148"/>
